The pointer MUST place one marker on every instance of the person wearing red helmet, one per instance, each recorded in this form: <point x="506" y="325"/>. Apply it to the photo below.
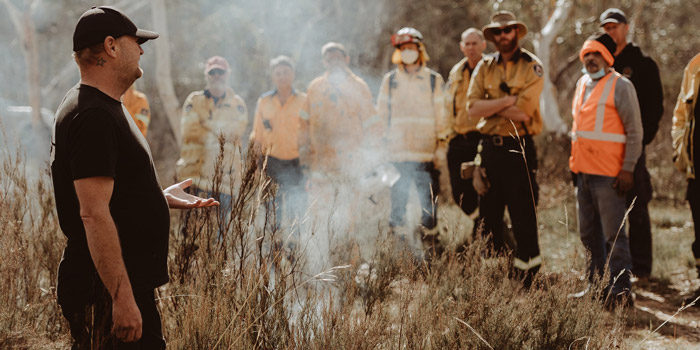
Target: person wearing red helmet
<point x="411" y="106"/>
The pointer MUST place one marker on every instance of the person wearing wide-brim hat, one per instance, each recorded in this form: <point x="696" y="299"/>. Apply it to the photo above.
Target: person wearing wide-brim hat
<point x="501" y="21"/>
<point x="504" y="94"/>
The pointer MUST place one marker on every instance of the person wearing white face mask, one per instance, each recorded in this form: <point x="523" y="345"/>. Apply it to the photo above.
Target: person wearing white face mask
<point x="411" y="106"/>
<point x="606" y="141"/>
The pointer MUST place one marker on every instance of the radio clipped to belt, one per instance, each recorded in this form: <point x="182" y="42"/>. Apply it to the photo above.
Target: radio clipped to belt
<point x="473" y="170"/>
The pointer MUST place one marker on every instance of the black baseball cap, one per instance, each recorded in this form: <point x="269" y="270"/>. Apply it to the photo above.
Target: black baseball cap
<point x="612" y="15"/>
<point x="100" y="22"/>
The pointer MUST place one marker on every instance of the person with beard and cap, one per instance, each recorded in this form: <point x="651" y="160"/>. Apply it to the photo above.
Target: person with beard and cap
<point x="466" y="137"/>
<point x="208" y="115"/>
<point x="411" y="106"/>
<point x="337" y="123"/>
<point x="606" y="141"/>
<point x="644" y="74"/>
<point x="504" y="93"/>
<point x="686" y="144"/>
<point x="109" y="200"/>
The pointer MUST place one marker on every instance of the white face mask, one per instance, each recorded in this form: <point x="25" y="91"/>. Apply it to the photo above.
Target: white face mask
<point x="409" y="56"/>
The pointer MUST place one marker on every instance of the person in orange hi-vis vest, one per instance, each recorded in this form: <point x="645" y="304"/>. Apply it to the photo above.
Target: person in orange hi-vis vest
<point x="136" y="103"/>
<point x="606" y="141"/>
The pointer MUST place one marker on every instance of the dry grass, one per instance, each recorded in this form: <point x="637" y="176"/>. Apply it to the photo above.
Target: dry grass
<point x="235" y="285"/>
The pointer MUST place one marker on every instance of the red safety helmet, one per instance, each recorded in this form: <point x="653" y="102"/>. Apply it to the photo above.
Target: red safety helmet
<point x="406" y="35"/>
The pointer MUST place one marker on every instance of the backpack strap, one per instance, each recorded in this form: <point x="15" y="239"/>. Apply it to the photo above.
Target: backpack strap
<point x="392" y="84"/>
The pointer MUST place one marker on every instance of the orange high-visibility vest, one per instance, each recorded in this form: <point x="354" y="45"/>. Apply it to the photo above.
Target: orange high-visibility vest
<point x="597" y="135"/>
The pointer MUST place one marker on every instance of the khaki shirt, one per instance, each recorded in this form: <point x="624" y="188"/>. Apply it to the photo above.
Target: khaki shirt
<point x="336" y="119"/>
<point x="203" y="121"/>
<point x="523" y="75"/>
<point x="276" y="126"/>
<point x="456" y="98"/>
<point x="137" y="105"/>
<point x="415" y="115"/>
<point x="684" y="123"/>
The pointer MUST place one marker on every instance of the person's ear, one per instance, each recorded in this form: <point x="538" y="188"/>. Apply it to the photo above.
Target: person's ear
<point x="110" y="46"/>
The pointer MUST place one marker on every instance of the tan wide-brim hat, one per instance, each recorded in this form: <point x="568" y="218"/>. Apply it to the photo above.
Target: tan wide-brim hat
<point x="503" y="19"/>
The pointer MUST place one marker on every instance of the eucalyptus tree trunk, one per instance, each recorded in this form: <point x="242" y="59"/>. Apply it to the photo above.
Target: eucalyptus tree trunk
<point x="164" y="80"/>
<point x="543" y="45"/>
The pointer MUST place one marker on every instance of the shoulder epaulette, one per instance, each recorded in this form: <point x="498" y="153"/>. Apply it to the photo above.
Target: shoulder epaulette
<point x="526" y="56"/>
<point x="268" y="94"/>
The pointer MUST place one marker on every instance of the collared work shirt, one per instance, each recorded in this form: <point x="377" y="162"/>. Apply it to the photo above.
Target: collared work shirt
<point x="204" y="120"/>
<point x="456" y="98"/>
<point x="413" y="113"/>
<point x="276" y="125"/>
<point x="137" y="105"/>
<point x="337" y="118"/>
<point x="523" y="76"/>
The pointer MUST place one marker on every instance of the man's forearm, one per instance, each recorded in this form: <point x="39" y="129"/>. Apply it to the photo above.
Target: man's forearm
<point x="515" y="114"/>
<point x="488" y="108"/>
<point x="106" y="253"/>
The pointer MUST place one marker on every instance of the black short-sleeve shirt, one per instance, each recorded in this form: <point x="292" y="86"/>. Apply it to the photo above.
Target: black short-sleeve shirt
<point x="93" y="136"/>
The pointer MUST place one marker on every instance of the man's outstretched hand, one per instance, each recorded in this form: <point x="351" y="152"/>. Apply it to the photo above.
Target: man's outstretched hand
<point x="179" y="199"/>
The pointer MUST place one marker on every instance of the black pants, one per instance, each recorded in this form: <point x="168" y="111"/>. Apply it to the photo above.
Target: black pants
<point x="513" y="184"/>
<point x="291" y="196"/>
<point x="90" y="322"/>
<point x="462" y="149"/>
<point x="640" y="225"/>
<point x="426" y="178"/>
<point x="693" y="196"/>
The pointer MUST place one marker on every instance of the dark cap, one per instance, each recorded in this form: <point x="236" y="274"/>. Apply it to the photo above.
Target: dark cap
<point x="612" y="15"/>
<point x="100" y="22"/>
<point x="216" y="62"/>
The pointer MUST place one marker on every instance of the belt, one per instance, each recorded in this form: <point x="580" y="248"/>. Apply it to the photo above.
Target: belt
<point x="498" y="140"/>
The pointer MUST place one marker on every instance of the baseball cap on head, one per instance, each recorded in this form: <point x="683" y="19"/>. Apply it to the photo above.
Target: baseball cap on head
<point x="216" y="62"/>
<point x="612" y="15"/>
<point x="100" y="22"/>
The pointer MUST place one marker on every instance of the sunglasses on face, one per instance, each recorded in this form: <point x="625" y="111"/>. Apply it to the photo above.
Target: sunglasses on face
<point x="217" y="72"/>
<point x="506" y="30"/>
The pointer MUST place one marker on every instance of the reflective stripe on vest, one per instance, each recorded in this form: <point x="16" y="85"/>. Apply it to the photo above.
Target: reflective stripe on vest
<point x="598" y="135"/>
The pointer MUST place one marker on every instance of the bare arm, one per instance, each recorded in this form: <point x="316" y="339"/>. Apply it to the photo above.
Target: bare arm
<point x="94" y="194"/>
<point x="489" y="108"/>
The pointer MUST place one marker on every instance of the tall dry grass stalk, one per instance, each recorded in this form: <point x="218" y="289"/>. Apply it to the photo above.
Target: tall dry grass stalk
<point x="237" y="284"/>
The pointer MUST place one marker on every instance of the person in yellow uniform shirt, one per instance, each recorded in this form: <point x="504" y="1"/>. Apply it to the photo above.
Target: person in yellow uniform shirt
<point x="504" y="93"/>
<point x="209" y="116"/>
<point x="338" y="122"/>
<point x="462" y="147"/>
<point x="411" y="106"/>
<point x="685" y="143"/>
<point x="136" y="103"/>
<point x="275" y="134"/>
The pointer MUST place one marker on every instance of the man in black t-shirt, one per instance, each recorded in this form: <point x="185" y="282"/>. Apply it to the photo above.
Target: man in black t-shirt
<point x="644" y="74"/>
<point x="108" y="196"/>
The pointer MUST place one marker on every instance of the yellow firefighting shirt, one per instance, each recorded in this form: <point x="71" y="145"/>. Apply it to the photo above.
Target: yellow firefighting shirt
<point x="413" y="114"/>
<point x="137" y="105"/>
<point x="522" y="74"/>
<point x="336" y="119"/>
<point x="204" y="120"/>
<point x="276" y="126"/>
<point x="456" y="98"/>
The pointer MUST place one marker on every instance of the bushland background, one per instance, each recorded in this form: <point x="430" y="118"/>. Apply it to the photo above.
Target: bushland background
<point x="37" y="69"/>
